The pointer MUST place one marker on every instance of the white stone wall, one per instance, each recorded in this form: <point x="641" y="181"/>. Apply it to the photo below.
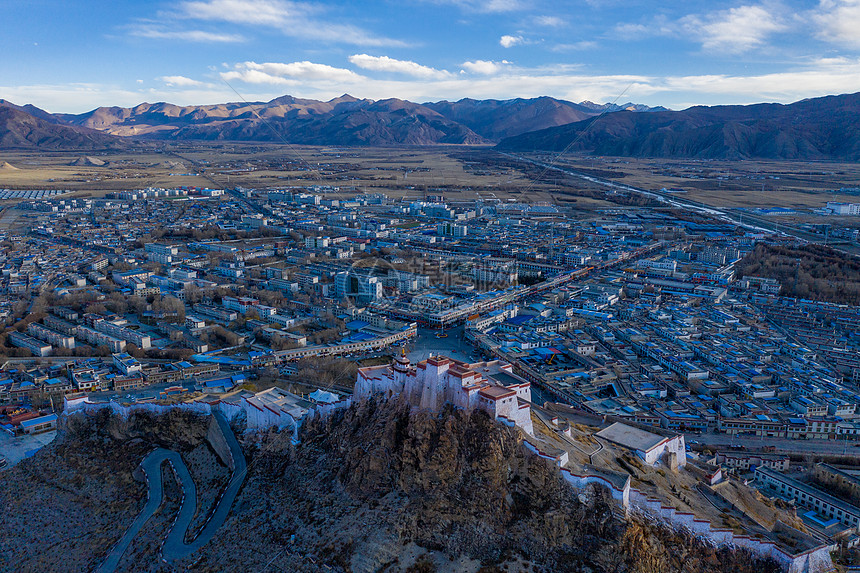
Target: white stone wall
<point x="84" y="405"/>
<point x="674" y="445"/>
<point x="816" y="560"/>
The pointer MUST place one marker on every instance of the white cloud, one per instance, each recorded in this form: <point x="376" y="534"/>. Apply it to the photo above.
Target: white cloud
<point x="484" y="67"/>
<point x="500" y="5"/>
<point x="148" y="31"/>
<point x="838" y="21"/>
<point x="819" y="77"/>
<point x="264" y="81"/>
<point x="734" y="30"/>
<point x="550" y="21"/>
<point x="633" y="31"/>
<point x="81" y="97"/>
<point x="503" y="80"/>
<point x="576" y="46"/>
<point x="181" y="81"/>
<point x="510" y="41"/>
<point x="487" y="6"/>
<point x="294" y="19"/>
<point x="256" y="12"/>
<point x="290" y="74"/>
<point x="386" y="64"/>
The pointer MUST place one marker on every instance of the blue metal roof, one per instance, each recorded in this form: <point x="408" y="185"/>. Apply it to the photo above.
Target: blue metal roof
<point x="39" y="420"/>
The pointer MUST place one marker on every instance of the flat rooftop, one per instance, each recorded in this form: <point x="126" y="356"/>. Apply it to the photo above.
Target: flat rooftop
<point x="630" y="437"/>
<point x="496" y="392"/>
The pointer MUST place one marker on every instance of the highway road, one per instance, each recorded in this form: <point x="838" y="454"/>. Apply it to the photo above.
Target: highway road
<point x="744" y="219"/>
<point x="174" y="546"/>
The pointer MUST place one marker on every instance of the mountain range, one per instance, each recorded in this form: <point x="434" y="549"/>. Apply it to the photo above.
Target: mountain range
<point x="812" y="129"/>
<point x="29" y="127"/>
<point x="341" y="121"/>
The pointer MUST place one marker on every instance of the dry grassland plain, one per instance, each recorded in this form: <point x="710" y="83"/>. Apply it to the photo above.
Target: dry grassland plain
<point x="457" y="172"/>
<point x="739" y="184"/>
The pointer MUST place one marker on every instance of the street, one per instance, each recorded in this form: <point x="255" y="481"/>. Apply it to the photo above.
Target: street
<point x="756" y="443"/>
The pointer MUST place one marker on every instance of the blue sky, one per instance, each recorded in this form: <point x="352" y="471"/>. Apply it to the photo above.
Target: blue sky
<point x="72" y="56"/>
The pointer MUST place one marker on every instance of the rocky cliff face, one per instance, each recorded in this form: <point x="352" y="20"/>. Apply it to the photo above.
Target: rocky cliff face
<point x="374" y="488"/>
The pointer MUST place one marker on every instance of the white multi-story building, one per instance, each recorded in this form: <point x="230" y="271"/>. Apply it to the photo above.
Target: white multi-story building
<point x="430" y="384"/>
<point x="825" y="505"/>
<point x="838" y="208"/>
<point x="317" y="242"/>
<point x="60" y="325"/>
<point x="37" y="347"/>
<point x="100" y="339"/>
<point x="647" y="445"/>
<point x="192" y="321"/>
<point x="242" y="304"/>
<point x="51" y="336"/>
<point x="254" y="221"/>
<point x="127" y="364"/>
<point x="451" y="230"/>
<point x="363" y="288"/>
<point x="164" y="254"/>
<point x="128" y="277"/>
<point x="141" y="340"/>
<point x="405" y="281"/>
<point x="504" y="273"/>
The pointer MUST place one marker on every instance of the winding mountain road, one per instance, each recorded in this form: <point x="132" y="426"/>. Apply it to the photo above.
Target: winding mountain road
<point x="175" y="546"/>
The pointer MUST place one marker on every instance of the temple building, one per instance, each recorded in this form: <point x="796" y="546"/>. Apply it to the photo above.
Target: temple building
<point x="489" y="386"/>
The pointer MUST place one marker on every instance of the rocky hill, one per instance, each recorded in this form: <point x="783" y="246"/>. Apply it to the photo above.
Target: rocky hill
<point x="21" y="130"/>
<point x="372" y="488"/>
<point x="812" y="129"/>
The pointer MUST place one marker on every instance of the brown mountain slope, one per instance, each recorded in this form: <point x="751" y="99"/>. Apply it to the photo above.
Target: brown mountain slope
<point x="20" y="130"/>
<point x="148" y="118"/>
<point x="820" y="128"/>
<point x="341" y="121"/>
<point x="495" y="120"/>
<point x="388" y="122"/>
<point x="32" y="110"/>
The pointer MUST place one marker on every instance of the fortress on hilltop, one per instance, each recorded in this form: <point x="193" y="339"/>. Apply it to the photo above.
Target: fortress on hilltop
<point x="489" y="386"/>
